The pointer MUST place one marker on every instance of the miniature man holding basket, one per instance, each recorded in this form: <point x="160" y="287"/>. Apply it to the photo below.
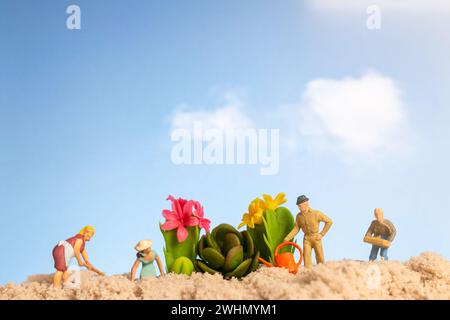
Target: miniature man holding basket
<point x="380" y="234"/>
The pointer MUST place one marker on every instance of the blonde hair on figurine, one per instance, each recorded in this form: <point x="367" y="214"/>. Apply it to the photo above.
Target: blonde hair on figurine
<point x="90" y="228"/>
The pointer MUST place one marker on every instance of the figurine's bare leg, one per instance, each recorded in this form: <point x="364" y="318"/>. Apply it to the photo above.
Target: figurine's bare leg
<point x="307" y="253"/>
<point x="57" y="279"/>
<point x="65" y="276"/>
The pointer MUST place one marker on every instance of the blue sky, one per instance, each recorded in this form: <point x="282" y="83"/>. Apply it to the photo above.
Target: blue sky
<point x="86" y="116"/>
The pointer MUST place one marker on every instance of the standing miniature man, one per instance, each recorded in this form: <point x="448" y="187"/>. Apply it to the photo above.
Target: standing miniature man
<point x="380" y="228"/>
<point x="308" y="220"/>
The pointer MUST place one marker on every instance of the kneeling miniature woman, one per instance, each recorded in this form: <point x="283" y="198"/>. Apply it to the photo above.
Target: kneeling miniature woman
<point x="146" y="256"/>
<point x="73" y="247"/>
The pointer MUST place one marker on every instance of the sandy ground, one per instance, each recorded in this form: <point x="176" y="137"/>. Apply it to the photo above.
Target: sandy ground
<point x="423" y="277"/>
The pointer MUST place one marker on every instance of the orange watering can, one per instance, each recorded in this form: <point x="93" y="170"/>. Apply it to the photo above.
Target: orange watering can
<point x="285" y="259"/>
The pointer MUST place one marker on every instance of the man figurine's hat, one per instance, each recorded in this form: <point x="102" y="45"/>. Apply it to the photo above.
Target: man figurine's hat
<point x="302" y="199"/>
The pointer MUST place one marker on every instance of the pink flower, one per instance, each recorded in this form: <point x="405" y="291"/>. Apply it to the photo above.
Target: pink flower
<point x="198" y="213"/>
<point x="180" y="217"/>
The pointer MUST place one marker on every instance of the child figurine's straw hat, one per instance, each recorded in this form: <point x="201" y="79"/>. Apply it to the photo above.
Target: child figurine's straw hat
<point x="143" y="245"/>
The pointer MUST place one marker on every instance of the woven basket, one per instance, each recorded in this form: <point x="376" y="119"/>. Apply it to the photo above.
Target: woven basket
<point x="378" y="242"/>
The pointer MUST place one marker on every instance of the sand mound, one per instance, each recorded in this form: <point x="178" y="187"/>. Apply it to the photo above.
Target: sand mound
<point x="423" y="277"/>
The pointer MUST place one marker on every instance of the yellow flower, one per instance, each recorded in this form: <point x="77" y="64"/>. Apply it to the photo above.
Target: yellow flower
<point x="254" y="214"/>
<point x="272" y="204"/>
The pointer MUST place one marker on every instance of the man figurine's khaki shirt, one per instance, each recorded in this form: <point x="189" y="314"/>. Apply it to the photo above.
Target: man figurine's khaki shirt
<point x="309" y="222"/>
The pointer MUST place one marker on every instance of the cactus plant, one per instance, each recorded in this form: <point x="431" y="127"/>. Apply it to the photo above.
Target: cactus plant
<point x="269" y="234"/>
<point x="227" y="251"/>
<point x="181" y="232"/>
<point x="268" y="224"/>
<point x="180" y="256"/>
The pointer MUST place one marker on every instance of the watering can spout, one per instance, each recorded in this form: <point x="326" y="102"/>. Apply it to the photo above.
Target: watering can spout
<point x="268" y="264"/>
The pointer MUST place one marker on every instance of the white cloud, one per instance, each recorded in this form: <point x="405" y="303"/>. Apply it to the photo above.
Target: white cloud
<point x="400" y="6"/>
<point x="354" y="116"/>
<point x="229" y="116"/>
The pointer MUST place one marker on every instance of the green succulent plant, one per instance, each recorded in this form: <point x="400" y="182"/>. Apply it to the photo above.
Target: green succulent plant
<point x="268" y="235"/>
<point x="268" y="224"/>
<point x="227" y="251"/>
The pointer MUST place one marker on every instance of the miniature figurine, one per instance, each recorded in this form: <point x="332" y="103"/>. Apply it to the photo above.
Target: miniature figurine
<point x="146" y="256"/>
<point x="309" y="220"/>
<point x="73" y="247"/>
<point x="380" y="234"/>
